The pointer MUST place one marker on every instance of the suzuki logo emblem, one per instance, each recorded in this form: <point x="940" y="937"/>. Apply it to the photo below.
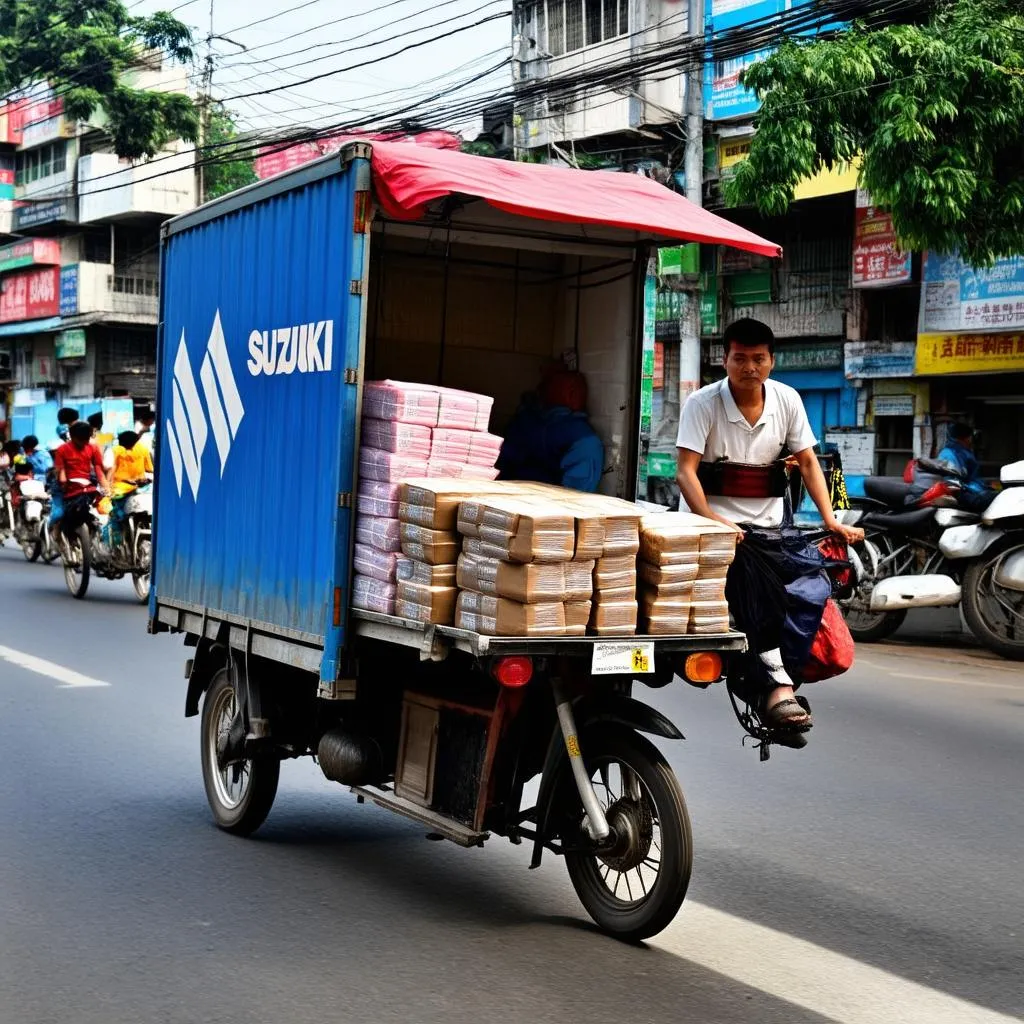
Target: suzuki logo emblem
<point x="189" y="426"/>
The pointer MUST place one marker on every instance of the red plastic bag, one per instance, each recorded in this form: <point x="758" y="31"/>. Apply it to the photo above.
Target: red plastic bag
<point x="837" y="565"/>
<point x="832" y="647"/>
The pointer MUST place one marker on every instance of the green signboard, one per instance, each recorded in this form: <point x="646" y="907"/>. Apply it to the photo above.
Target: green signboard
<point x="709" y="305"/>
<point x="827" y="355"/>
<point x="661" y="464"/>
<point x="70" y="344"/>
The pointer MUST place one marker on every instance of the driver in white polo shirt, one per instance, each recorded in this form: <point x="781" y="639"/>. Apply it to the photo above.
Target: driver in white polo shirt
<point x="732" y="438"/>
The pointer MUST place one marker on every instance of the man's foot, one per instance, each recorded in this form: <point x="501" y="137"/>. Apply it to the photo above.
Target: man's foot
<point x="784" y="710"/>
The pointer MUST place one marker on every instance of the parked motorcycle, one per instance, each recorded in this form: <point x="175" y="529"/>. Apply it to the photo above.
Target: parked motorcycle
<point x="899" y="565"/>
<point x="92" y="543"/>
<point x="989" y="556"/>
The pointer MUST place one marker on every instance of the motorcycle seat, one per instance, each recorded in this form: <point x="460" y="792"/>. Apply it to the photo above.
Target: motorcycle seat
<point x="888" y="490"/>
<point x="900" y="522"/>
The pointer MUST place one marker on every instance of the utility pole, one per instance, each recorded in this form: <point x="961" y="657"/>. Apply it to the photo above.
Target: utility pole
<point x="205" y="100"/>
<point x="693" y="167"/>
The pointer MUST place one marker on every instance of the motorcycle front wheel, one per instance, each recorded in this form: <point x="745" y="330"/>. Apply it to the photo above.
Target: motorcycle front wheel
<point x="865" y="625"/>
<point x="634" y="887"/>
<point x="995" y="613"/>
<point x="78" y="561"/>
<point x="31" y="548"/>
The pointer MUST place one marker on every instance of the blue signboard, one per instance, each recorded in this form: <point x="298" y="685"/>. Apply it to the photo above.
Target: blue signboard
<point x="69" y="290"/>
<point x="954" y="297"/>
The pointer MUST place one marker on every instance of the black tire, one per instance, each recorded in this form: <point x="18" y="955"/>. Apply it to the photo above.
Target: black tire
<point x="880" y="626"/>
<point x="976" y="579"/>
<point x="31" y="549"/>
<point x="78" y="586"/>
<point x="634" y="920"/>
<point x="250" y="811"/>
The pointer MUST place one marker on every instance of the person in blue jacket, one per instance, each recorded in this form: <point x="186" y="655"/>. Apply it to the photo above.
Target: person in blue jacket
<point x="550" y="439"/>
<point x="958" y="454"/>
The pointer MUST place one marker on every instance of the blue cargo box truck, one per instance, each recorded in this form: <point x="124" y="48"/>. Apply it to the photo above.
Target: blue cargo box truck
<point x="277" y="302"/>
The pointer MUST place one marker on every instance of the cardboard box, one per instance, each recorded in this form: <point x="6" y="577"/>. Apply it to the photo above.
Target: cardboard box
<point x="497" y="616"/>
<point x="676" y="537"/>
<point x="408" y="570"/>
<point x="435" y="503"/>
<point x="525" y="530"/>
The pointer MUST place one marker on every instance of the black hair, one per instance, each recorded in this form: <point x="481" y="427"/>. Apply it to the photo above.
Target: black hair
<point x="12" y="448"/>
<point x="749" y="332"/>
<point x="29" y="441"/>
<point x="960" y="431"/>
<point x="127" y="439"/>
<point x="96" y="421"/>
<point x="80" y="431"/>
<point x="67" y="416"/>
<point x="148" y="418"/>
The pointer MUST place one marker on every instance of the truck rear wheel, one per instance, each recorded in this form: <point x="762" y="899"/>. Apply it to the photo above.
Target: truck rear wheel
<point x="633" y="889"/>
<point x="240" y="795"/>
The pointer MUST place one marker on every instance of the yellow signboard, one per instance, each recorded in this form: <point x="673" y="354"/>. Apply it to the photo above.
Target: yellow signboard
<point x="842" y="178"/>
<point x="969" y="353"/>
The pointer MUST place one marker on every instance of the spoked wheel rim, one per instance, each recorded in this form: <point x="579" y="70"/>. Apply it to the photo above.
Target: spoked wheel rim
<point x="629" y="869"/>
<point x="230" y="784"/>
<point x="1001" y="609"/>
<point x="72" y="555"/>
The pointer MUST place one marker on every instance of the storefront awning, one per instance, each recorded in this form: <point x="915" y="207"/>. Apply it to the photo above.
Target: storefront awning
<point x="407" y="178"/>
<point x="52" y="323"/>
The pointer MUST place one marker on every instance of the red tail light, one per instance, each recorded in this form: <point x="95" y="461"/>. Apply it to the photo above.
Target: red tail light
<point x="514" y="671"/>
<point x="934" y="493"/>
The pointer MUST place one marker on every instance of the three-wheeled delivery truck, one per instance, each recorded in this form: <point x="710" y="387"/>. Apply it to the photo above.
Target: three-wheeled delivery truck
<point x="278" y="302"/>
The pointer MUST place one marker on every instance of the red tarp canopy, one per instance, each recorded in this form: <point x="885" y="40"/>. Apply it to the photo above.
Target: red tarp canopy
<point x="407" y="178"/>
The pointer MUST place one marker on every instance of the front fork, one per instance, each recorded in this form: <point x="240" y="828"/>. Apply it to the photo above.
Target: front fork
<point x="595" y="823"/>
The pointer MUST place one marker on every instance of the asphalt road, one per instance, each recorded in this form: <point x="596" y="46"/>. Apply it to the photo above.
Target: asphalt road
<point x="873" y="877"/>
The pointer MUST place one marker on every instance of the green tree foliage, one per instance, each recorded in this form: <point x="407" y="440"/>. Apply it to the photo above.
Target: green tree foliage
<point x="228" y="160"/>
<point x="86" y="49"/>
<point x="934" y="110"/>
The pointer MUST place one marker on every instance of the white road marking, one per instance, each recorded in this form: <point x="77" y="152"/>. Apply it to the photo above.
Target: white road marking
<point x="67" y="678"/>
<point x="810" y="976"/>
<point x="927" y="678"/>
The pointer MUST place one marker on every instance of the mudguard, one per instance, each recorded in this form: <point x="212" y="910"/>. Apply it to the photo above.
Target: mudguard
<point x="613" y="709"/>
<point x="1007" y="504"/>
<point x="209" y="657"/>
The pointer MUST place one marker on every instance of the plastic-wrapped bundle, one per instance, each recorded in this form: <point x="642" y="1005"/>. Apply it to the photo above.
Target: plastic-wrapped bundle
<point x="373" y="595"/>
<point x="615" y="572"/>
<point x="577" y="617"/>
<point x="411" y="439"/>
<point x="528" y="584"/>
<point x="380" y="565"/>
<point x="426" y="603"/>
<point x="497" y="616"/>
<point x="379" y="532"/>
<point x="408" y="570"/>
<point x="709" y="617"/>
<point x="674" y="537"/>
<point x="465" y="446"/>
<point x="459" y="470"/>
<point x="669" y="578"/>
<point x="375" y="464"/>
<point x="435" y="503"/>
<point x="463" y="410"/>
<point x="521" y="529"/>
<point x="376" y="498"/>
<point x="401" y="402"/>
<point x="435" y="547"/>
<point x="710" y="590"/>
<point x="613" y="618"/>
<point x="715" y="561"/>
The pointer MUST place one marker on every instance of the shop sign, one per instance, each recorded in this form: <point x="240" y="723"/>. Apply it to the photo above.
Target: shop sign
<point x="30" y="295"/>
<point x="709" y="307"/>
<point x="893" y="405"/>
<point x="957" y="299"/>
<point x="724" y="97"/>
<point x="43" y="211"/>
<point x="874" y="359"/>
<point x="821" y="356"/>
<point x="876" y="260"/>
<point x="29" y="253"/>
<point x="69" y="290"/>
<point x="658" y="371"/>
<point x="731" y="153"/>
<point x="969" y="353"/>
<point x="42" y="117"/>
<point x="70" y="344"/>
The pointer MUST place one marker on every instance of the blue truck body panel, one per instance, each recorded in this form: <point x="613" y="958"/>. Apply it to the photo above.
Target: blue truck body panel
<point x="257" y="415"/>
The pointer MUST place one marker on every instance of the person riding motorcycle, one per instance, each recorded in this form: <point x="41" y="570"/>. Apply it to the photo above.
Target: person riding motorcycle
<point x="76" y="462"/>
<point x="132" y="467"/>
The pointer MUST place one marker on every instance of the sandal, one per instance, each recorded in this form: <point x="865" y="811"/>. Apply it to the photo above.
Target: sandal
<point x="786" y="714"/>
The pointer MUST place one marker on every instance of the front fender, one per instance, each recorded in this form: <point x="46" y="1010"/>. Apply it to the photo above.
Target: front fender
<point x="613" y="710"/>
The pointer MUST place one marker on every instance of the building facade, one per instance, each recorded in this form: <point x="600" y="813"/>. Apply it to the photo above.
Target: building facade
<point x="79" y="256"/>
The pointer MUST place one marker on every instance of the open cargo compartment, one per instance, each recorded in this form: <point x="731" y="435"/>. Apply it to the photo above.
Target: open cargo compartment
<point x="462" y="285"/>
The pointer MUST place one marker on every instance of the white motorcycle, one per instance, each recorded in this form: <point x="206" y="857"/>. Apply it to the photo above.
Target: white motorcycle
<point x="30" y="526"/>
<point x="989" y="556"/>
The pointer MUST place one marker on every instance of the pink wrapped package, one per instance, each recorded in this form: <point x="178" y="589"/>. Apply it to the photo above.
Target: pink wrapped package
<point x="459" y="470"/>
<point x="373" y="595"/>
<point x="401" y="402"/>
<point x="388" y="467"/>
<point x="376" y="498"/>
<point x="464" y="410"/>
<point x="465" y="446"/>
<point x="379" y="532"/>
<point x="410" y="439"/>
<point x="378" y="564"/>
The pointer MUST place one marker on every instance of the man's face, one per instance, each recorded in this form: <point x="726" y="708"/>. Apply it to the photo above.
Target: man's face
<point x="748" y="366"/>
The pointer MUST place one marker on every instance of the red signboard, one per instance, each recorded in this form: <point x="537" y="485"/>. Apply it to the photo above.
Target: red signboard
<point x="876" y="260"/>
<point x="30" y="295"/>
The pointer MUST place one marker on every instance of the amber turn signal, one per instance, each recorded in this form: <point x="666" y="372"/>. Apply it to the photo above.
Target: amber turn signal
<point x="704" y="667"/>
